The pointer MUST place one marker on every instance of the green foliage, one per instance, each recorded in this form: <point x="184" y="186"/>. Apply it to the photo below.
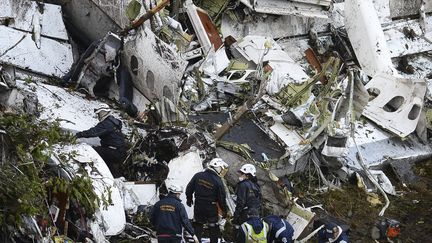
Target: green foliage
<point x="20" y="194"/>
<point x="25" y="179"/>
<point x="79" y="189"/>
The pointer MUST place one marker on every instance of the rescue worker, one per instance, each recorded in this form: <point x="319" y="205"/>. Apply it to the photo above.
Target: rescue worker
<point x="113" y="144"/>
<point x="248" y="194"/>
<point x="254" y="230"/>
<point x="332" y="233"/>
<point x="169" y="217"/>
<point x="209" y="196"/>
<point x="280" y="230"/>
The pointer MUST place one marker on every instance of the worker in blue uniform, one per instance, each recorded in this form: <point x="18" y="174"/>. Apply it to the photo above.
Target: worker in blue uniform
<point x="210" y="197"/>
<point x="169" y="218"/>
<point x="113" y="144"/>
<point x="332" y="233"/>
<point x="280" y="230"/>
<point x="248" y="194"/>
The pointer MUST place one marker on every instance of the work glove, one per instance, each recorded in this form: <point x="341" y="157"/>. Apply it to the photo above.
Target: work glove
<point x="195" y="238"/>
<point x="189" y="203"/>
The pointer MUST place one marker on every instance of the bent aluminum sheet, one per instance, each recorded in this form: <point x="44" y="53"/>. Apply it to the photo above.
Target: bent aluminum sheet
<point x="17" y="48"/>
<point x="285" y="70"/>
<point x="51" y="20"/>
<point x="156" y="68"/>
<point x="311" y="9"/>
<point x="111" y="218"/>
<point x="398" y="103"/>
<point x="72" y="110"/>
<point x="367" y="37"/>
<point x="181" y="171"/>
<point x="379" y="147"/>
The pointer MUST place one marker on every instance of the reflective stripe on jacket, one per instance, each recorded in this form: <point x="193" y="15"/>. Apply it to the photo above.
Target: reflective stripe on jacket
<point x="253" y="237"/>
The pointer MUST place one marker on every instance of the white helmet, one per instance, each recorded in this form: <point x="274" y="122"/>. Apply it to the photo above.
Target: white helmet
<point x="248" y="169"/>
<point x="102" y="107"/>
<point x="175" y="189"/>
<point x="219" y="166"/>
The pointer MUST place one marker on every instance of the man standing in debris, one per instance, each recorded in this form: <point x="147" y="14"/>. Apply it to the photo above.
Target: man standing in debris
<point x="209" y="197"/>
<point x="280" y="230"/>
<point x="113" y="144"/>
<point x="248" y="194"/>
<point x="254" y="230"/>
<point x="169" y="217"/>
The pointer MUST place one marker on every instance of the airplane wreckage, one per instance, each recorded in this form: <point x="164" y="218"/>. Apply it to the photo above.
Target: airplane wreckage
<point x="315" y="93"/>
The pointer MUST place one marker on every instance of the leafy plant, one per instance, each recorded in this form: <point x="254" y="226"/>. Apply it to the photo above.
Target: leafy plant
<point x="25" y="179"/>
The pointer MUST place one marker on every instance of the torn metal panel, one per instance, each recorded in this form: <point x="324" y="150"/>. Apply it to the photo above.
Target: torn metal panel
<point x="235" y="82"/>
<point x="258" y="49"/>
<point x="73" y="111"/>
<point x="421" y="65"/>
<point x="215" y="62"/>
<point x="51" y="20"/>
<point x="383" y="181"/>
<point x="381" y="147"/>
<point x="405" y="8"/>
<point x="396" y="103"/>
<point x="210" y="29"/>
<point x="383" y="10"/>
<point x="367" y="37"/>
<point x="112" y="218"/>
<point x="181" y="171"/>
<point x="6" y="10"/>
<point x="156" y="68"/>
<point x="96" y="64"/>
<point x="407" y="37"/>
<point x="169" y="113"/>
<point x="305" y="8"/>
<point x="279" y="26"/>
<point x="266" y="25"/>
<point x="135" y="194"/>
<point x="348" y="107"/>
<point x="18" y="49"/>
<point x="299" y="218"/>
<point x="198" y="26"/>
<point x="294" y="141"/>
<point x="85" y="15"/>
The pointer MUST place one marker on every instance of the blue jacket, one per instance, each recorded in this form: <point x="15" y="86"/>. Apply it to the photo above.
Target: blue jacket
<point x="109" y="132"/>
<point x="257" y="226"/>
<point x="326" y="233"/>
<point x="207" y="186"/>
<point x="279" y="229"/>
<point x="169" y="217"/>
<point x="248" y="196"/>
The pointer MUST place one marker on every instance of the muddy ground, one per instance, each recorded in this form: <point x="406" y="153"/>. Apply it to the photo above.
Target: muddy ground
<point x="412" y="207"/>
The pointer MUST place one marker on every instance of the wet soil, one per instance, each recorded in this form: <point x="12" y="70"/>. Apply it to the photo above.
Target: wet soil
<point x="412" y="207"/>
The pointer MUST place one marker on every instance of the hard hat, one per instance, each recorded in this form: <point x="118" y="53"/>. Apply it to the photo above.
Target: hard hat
<point x="102" y="107"/>
<point x="175" y="189"/>
<point x="248" y="169"/>
<point x="219" y="166"/>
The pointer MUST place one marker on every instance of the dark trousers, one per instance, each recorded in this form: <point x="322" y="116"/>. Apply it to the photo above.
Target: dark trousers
<point x="113" y="158"/>
<point x="169" y="240"/>
<point x="206" y="213"/>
